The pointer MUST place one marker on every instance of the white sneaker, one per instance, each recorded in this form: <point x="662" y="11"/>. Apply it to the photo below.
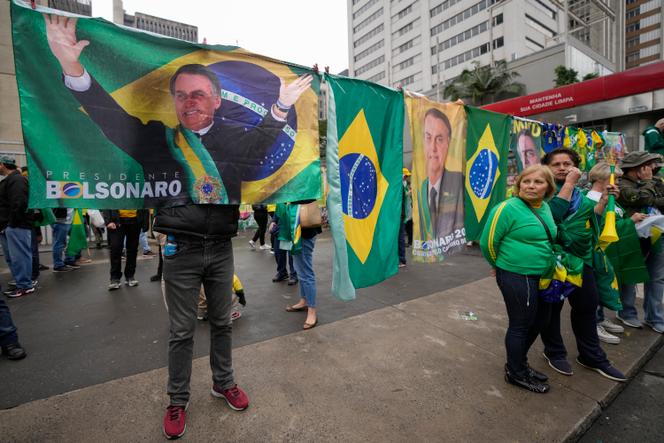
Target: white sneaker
<point x="606" y="337"/>
<point x="132" y="282"/>
<point x="252" y="244"/>
<point x="113" y="285"/>
<point x="632" y="323"/>
<point x="264" y="247"/>
<point x="609" y="326"/>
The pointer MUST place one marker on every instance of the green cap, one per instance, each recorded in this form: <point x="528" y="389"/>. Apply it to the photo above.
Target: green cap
<point x="638" y="158"/>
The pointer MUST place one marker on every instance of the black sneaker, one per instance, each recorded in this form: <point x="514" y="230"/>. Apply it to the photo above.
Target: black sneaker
<point x="607" y="371"/>
<point x="292" y="281"/>
<point x="155" y="277"/>
<point x="561" y="365"/>
<point x="14" y="352"/>
<point x="278" y="278"/>
<point x="16" y="293"/>
<point x="537" y="375"/>
<point x="43" y="268"/>
<point x="73" y="266"/>
<point x="63" y="268"/>
<point x="527" y="383"/>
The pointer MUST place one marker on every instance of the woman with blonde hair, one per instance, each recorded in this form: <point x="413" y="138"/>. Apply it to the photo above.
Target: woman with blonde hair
<point x="522" y="227"/>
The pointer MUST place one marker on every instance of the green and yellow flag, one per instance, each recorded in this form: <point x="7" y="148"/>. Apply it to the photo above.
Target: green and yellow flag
<point x="78" y="238"/>
<point x="121" y="130"/>
<point x="488" y="144"/>
<point x="364" y="163"/>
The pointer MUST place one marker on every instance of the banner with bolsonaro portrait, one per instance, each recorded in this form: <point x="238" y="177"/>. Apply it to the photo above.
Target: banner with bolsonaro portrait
<point x="438" y="134"/>
<point x="119" y="118"/>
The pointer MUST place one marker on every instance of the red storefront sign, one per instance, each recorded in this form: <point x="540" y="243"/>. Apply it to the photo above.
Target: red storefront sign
<point x="634" y="81"/>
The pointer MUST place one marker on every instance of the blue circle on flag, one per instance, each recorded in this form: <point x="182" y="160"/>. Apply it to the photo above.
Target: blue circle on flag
<point x="71" y="189"/>
<point x="359" y="185"/>
<point x="483" y="173"/>
<point x="248" y="91"/>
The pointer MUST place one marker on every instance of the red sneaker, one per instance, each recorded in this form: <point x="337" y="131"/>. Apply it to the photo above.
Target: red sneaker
<point x="174" y="422"/>
<point x="235" y="397"/>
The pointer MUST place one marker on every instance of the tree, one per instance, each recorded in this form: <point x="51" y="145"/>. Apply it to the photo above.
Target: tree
<point x="590" y="76"/>
<point x="565" y="76"/>
<point x="484" y="84"/>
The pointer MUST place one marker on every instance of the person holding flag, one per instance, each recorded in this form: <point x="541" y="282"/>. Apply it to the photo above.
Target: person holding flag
<point x="641" y="193"/>
<point x="578" y="228"/>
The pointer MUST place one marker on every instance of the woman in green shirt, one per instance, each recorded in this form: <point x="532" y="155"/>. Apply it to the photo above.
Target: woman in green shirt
<point x="516" y="244"/>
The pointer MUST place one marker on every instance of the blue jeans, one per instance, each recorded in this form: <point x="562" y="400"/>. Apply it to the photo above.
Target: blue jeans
<point x="402" y="243"/>
<point x="304" y="267"/>
<point x="652" y="293"/>
<point x="60" y="231"/>
<point x="198" y="262"/>
<point x="7" y="329"/>
<point x="35" y="253"/>
<point x="525" y="313"/>
<point x="17" y="246"/>
<point x="143" y="241"/>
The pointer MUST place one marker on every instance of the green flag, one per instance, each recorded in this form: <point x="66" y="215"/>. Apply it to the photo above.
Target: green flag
<point x="488" y="139"/>
<point x="364" y="164"/>
<point x="78" y="238"/>
<point x="108" y="122"/>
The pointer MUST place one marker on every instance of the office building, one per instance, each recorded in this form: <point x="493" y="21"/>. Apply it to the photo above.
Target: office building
<point x="643" y="32"/>
<point x="423" y="44"/>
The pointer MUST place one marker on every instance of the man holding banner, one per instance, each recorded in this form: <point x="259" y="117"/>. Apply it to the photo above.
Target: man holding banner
<point x="213" y="158"/>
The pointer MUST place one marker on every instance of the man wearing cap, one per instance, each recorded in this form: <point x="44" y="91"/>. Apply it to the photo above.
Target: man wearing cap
<point x="639" y="192"/>
<point x="652" y="135"/>
<point x="16" y="226"/>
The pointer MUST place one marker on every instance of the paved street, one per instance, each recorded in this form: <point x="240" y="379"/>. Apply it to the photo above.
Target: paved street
<point x="402" y="362"/>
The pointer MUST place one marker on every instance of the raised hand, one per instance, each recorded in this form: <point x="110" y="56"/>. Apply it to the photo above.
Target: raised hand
<point x="289" y="94"/>
<point x="573" y="176"/>
<point x="61" y="36"/>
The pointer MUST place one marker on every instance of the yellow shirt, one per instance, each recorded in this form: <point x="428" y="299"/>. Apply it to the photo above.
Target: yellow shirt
<point x="127" y="213"/>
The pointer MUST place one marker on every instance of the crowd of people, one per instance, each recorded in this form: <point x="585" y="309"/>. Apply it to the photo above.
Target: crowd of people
<point x="557" y="225"/>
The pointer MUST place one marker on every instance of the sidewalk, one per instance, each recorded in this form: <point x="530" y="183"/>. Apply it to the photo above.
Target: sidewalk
<point x="412" y="371"/>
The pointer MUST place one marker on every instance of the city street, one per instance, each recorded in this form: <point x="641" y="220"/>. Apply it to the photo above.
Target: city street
<point x="405" y="360"/>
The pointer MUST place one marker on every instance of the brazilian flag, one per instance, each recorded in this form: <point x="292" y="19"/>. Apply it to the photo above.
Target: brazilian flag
<point x="78" y="238"/>
<point x="364" y="164"/>
<point x="79" y="156"/>
<point x="487" y="150"/>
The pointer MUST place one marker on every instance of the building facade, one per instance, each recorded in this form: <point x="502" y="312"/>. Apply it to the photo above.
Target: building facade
<point x="423" y="44"/>
<point x="643" y="32"/>
<point x="161" y="26"/>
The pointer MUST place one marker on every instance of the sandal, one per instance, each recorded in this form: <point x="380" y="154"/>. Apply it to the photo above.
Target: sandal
<point x="294" y="309"/>
<point x="306" y="326"/>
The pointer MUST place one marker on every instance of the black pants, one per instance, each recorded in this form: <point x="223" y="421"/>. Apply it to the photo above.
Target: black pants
<point x="129" y="229"/>
<point x="526" y="313"/>
<point x="583" y="301"/>
<point x="261" y="220"/>
<point x="36" y="238"/>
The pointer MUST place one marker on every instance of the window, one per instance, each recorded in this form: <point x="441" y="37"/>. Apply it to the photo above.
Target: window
<point x="404" y="29"/>
<point x="364" y="23"/>
<point x="375" y="31"/>
<point x="471" y="54"/>
<point x="377" y="77"/>
<point x="372" y="64"/>
<point x="409" y="44"/>
<point x="407" y="81"/>
<point x="408" y="62"/>
<point x="364" y="8"/>
<point x="461" y="16"/>
<point x="373" y="48"/>
<point x="443" y="6"/>
<point x="548" y="10"/>
<point x="539" y="26"/>
<point x="533" y="43"/>
<point x="463" y="36"/>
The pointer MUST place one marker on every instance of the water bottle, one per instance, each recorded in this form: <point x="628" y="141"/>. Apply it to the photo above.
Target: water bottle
<point x="171" y="246"/>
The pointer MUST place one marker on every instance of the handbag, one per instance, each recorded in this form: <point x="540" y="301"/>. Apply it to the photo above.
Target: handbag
<point x="310" y="215"/>
<point x="566" y="274"/>
<point x="96" y="218"/>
